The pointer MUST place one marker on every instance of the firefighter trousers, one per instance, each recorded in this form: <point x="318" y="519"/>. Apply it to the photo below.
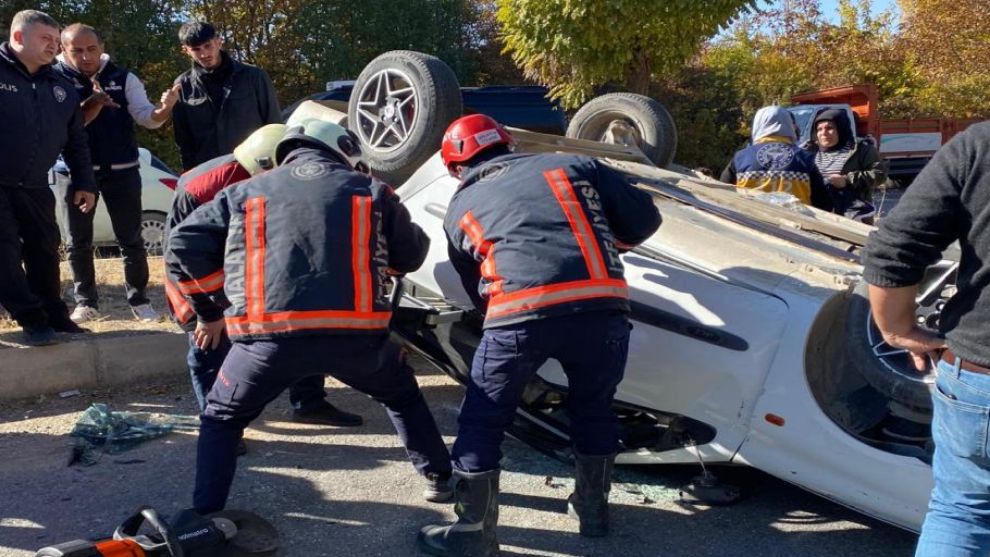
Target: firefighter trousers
<point x="592" y="349"/>
<point x="256" y="372"/>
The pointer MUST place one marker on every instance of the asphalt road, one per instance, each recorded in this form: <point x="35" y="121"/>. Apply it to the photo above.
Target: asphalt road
<point x="335" y="492"/>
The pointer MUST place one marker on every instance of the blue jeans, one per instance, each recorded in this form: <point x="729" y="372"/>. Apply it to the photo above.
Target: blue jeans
<point x="304" y="394"/>
<point x="958" y="519"/>
<point x="592" y="349"/>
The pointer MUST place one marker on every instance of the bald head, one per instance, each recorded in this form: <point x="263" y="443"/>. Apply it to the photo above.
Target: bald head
<point x="77" y="29"/>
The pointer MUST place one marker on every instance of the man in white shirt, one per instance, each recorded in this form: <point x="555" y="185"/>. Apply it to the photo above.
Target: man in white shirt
<point x="114" y="99"/>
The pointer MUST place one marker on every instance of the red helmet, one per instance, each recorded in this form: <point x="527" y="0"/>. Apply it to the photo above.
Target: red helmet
<point x="469" y="135"/>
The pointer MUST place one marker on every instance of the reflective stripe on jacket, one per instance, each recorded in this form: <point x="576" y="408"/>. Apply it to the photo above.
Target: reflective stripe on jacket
<point x="535" y="235"/>
<point x="300" y="250"/>
<point x="197" y="187"/>
<point x="775" y="166"/>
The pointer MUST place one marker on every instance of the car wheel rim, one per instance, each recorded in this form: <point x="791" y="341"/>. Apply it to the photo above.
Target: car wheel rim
<point x="152" y="233"/>
<point x="386" y="110"/>
<point x="621" y="132"/>
<point x="898" y="360"/>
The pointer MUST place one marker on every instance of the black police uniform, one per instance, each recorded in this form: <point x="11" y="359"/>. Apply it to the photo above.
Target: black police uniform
<point x="40" y="117"/>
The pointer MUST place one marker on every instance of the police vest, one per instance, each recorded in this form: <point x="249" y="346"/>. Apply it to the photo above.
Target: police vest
<point x="112" y="141"/>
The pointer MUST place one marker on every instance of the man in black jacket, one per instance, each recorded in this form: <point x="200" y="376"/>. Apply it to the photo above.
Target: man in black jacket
<point x="221" y="100"/>
<point x="949" y="201"/>
<point x="114" y="100"/>
<point x="39" y="117"/>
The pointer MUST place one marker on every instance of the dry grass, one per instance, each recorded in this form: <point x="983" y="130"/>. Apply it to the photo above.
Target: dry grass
<point x="113" y="302"/>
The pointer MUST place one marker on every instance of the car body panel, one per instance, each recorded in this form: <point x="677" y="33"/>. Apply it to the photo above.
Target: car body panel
<point x="156" y="197"/>
<point x="744" y="285"/>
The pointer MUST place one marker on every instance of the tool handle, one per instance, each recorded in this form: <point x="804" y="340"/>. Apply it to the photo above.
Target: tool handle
<point x="130" y="527"/>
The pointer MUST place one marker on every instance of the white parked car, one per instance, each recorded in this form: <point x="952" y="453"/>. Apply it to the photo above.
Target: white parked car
<point x="753" y="342"/>
<point x="158" y="183"/>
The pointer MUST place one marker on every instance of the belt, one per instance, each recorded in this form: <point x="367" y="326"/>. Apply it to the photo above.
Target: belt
<point x="949" y="357"/>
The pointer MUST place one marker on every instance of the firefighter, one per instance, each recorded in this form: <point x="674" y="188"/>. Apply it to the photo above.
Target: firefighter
<point x="200" y="185"/>
<point x="303" y="254"/>
<point x="536" y="239"/>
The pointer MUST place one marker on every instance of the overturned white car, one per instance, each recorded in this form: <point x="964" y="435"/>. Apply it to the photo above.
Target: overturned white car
<point x="752" y="342"/>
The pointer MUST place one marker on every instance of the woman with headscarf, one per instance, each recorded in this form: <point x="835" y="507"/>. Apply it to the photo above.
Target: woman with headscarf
<point x="774" y="163"/>
<point x="851" y="169"/>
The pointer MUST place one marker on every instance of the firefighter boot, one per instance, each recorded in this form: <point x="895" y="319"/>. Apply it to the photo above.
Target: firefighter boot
<point x="473" y="535"/>
<point x="589" y="502"/>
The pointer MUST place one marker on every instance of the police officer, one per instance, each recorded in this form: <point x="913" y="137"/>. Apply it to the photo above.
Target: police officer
<point x="197" y="187"/>
<point x="114" y="100"/>
<point x="303" y="253"/>
<point x="536" y="242"/>
<point x="39" y="117"/>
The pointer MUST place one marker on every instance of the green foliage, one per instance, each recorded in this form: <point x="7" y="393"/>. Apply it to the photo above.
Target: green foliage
<point x="577" y="46"/>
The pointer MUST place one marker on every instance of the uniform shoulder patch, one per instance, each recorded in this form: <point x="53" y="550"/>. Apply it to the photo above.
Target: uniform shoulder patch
<point x="311" y="170"/>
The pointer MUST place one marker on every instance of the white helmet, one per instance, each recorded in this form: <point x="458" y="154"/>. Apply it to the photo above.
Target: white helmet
<point x="257" y="152"/>
<point x="319" y="133"/>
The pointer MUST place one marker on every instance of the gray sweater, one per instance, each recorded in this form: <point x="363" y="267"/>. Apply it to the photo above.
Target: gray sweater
<point x="948" y="201"/>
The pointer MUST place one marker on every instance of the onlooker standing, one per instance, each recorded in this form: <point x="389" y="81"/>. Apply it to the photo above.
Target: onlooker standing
<point x="114" y="100"/>
<point x="852" y="169"/>
<point x="774" y="163"/>
<point x="221" y="100"/>
<point x="39" y="117"/>
<point x="948" y="201"/>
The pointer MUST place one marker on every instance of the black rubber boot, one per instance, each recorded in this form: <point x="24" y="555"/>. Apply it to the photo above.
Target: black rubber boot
<point x="589" y="502"/>
<point x="473" y="535"/>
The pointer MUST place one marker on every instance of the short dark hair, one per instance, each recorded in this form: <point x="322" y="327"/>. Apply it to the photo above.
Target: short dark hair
<point x="26" y="18"/>
<point x="195" y="33"/>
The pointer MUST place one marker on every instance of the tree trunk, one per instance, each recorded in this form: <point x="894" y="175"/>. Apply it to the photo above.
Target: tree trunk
<point x="640" y="74"/>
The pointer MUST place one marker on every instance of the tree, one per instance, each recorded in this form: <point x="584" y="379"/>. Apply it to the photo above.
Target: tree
<point x="948" y="41"/>
<point x="577" y="46"/>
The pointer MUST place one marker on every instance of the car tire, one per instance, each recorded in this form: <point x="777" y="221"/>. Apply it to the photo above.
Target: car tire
<point x="641" y="120"/>
<point x="887" y="369"/>
<point x="401" y="104"/>
<point x="153" y="232"/>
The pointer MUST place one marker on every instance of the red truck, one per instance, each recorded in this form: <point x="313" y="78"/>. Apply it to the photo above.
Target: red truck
<point x="907" y="145"/>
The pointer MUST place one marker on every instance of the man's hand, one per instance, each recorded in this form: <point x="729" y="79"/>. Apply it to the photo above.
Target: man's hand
<point x="101" y="97"/>
<point x="838" y="181"/>
<point x="170" y="97"/>
<point x="893" y="312"/>
<point x="921" y="344"/>
<point x="85" y="200"/>
<point x="209" y="334"/>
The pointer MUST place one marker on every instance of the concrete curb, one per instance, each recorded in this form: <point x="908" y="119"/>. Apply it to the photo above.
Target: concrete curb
<point x="92" y="363"/>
